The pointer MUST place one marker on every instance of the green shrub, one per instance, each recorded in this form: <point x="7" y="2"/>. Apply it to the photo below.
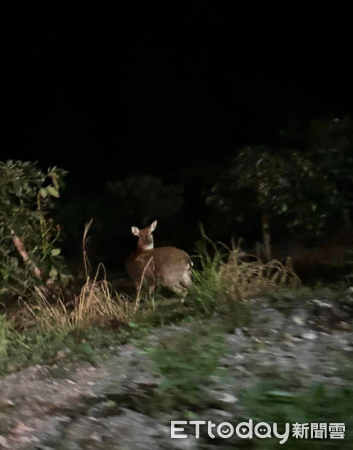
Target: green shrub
<point x="29" y="251"/>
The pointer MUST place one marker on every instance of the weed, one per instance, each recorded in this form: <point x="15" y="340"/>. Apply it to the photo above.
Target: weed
<point x="231" y="276"/>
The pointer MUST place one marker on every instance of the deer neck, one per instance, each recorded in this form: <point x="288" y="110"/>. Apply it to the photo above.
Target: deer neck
<point x="142" y="247"/>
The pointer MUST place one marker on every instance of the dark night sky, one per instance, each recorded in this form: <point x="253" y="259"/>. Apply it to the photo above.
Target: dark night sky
<point x="103" y="98"/>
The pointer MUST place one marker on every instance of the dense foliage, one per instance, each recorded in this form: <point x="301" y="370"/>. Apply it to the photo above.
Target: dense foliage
<point x="29" y="238"/>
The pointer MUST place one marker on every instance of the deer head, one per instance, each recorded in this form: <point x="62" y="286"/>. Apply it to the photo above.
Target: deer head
<point x="145" y="241"/>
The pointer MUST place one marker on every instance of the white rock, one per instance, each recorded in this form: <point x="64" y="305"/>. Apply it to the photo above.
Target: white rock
<point x="309" y="335"/>
<point x="298" y="320"/>
<point x="228" y="398"/>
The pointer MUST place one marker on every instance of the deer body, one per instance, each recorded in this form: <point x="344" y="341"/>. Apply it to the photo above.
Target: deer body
<point x="166" y="266"/>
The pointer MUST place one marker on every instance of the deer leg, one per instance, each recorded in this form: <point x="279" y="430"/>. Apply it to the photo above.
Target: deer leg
<point x="178" y="289"/>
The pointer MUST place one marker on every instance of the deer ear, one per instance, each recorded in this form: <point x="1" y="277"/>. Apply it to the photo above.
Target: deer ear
<point x="135" y="231"/>
<point x="153" y="226"/>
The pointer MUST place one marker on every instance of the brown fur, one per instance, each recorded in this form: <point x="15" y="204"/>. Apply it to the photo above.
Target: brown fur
<point x="166" y="266"/>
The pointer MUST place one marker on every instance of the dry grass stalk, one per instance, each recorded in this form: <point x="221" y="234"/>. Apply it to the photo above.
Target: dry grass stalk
<point x="246" y="275"/>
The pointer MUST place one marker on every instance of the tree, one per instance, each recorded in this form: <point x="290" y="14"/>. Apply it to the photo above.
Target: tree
<point x="330" y="141"/>
<point x="282" y="185"/>
<point x="29" y="252"/>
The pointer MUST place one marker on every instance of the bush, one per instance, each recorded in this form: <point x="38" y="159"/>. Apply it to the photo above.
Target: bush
<point x="230" y="276"/>
<point x="29" y="252"/>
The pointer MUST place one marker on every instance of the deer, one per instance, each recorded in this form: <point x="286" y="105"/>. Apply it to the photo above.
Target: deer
<point x="166" y="266"/>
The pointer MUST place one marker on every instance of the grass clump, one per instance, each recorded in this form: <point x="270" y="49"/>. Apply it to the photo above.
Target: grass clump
<point x="231" y="276"/>
<point x="95" y="306"/>
<point x="43" y="332"/>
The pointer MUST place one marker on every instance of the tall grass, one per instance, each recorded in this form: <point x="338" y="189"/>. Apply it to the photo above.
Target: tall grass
<point x="96" y="305"/>
<point x="231" y="275"/>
